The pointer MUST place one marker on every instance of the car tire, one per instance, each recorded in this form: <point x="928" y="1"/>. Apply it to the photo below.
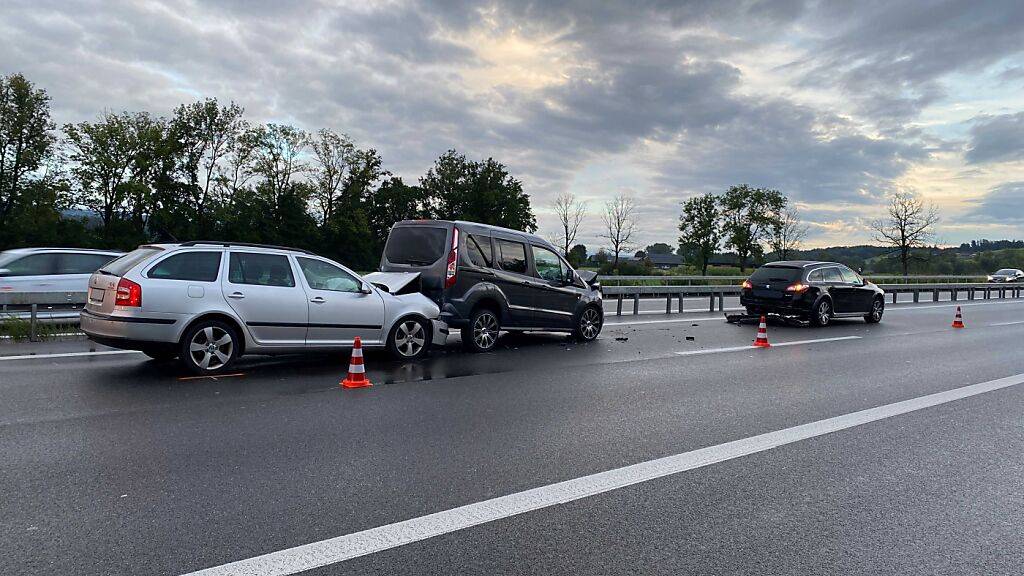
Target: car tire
<point x="821" y="315"/>
<point x="161" y="355"/>
<point x="877" y="309"/>
<point x="409" y="339"/>
<point x="481" y="334"/>
<point x="589" y="324"/>
<point x="209" y="347"/>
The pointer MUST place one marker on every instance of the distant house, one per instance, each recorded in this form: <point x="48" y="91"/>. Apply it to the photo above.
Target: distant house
<point x="665" y="261"/>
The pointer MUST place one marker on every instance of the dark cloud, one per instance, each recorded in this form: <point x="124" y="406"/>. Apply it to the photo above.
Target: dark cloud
<point x="1003" y="204"/>
<point x="996" y="139"/>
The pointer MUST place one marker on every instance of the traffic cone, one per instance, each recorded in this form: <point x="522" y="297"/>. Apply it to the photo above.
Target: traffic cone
<point x="356" y="371"/>
<point x="958" y="320"/>
<point x="762" y="335"/>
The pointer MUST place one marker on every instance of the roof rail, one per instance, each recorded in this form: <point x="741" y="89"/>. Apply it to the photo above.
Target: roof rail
<point x="245" y="244"/>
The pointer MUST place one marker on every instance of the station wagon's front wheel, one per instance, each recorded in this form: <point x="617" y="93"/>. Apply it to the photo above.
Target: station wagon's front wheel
<point x="409" y="339"/>
<point x="209" y="347"/>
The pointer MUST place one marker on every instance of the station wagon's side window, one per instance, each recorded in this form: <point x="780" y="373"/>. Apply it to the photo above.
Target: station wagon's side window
<point x="815" y="276"/>
<point x="479" y="250"/>
<point x="323" y="276"/>
<point x="832" y="275"/>
<point x="71" y="263"/>
<point x="193" y="266"/>
<point x="549" y="265"/>
<point x="849" y="276"/>
<point x="260" y="269"/>
<point x="34" y="265"/>
<point x="513" y="256"/>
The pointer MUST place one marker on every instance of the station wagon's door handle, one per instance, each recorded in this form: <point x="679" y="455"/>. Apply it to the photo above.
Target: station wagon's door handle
<point x="317" y="300"/>
<point x="236" y="295"/>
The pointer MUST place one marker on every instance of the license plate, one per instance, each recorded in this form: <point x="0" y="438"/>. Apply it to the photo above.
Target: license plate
<point x="96" y="295"/>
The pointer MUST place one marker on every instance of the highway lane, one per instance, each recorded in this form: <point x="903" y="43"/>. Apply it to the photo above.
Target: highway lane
<point x="122" y="468"/>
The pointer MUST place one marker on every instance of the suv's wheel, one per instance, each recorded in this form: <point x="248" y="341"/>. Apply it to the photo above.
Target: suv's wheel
<point x="209" y="347"/>
<point x="409" y="339"/>
<point x="589" y="324"/>
<point x="822" y="313"/>
<point x="481" y="335"/>
<point x="877" y="309"/>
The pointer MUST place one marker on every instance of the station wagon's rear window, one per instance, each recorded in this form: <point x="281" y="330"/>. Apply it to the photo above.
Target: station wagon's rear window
<point x="769" y="274"/>
<point x="125" y="263"/>
<point x="416" y="245"/>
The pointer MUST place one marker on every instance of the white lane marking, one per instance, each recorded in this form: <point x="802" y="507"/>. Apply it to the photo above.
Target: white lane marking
<point x="1008" y="323"/>
<point x="949" y="304"/>
<point x="342" y="548"/>
<point x="69" y="354"/>
<point x="634" y="323"/>
<point x="752" y="347"/>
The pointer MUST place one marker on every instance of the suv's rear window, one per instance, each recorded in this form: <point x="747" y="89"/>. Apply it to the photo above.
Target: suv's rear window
<point x="416" y="245"/>
<point x="125" y="263"/>
<point x="768" y="274"/>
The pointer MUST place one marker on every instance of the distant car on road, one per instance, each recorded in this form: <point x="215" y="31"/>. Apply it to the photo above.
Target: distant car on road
<point x="50" y="269"/>
<point x="487" y="279"/>
<point x="1007" y="275"/>
<point x="815" y="291"/>
<point x="208" y="303"/>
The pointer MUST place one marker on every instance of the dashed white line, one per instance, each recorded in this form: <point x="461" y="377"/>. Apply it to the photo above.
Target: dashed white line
<point x="751" y="347"/>
<point x="68" y="354"/>
<point x="347" y="547"/>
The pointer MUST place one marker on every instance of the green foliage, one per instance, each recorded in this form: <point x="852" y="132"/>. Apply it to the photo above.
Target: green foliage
<point x="658" y="248"/>
<point x="484" y="192"/>
<point x="626" y="268"/>
<point x="577" y="255"/>
<point x="748" y="217"/>
<point x="26" y="141"/>
<point x="700" y="230"/>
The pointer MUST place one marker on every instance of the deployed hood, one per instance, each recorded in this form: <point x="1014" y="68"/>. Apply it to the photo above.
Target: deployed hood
<point x="395" y="282"/>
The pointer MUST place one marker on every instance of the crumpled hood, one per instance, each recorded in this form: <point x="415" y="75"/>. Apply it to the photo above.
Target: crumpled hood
<point x="395" y="282"/>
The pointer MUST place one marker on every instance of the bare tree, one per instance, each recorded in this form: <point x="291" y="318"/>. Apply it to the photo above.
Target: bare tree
<point x="570" y="212"/>
<point x="619" y="221"/>
<point x="334" y="155"/>
<point x="788" y="234"/>
<point x="908" y="225"/>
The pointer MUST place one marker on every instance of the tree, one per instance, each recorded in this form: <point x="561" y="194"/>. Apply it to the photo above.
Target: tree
<point x="570" y="212"/>
<point x="391" y="202"/>
<point x="748" y="217"/>
<point x="908" y="225"/>
<point x="619" y="220"/>
<point x="658" y="248"/>
<point x="700" y="229"/>
<point x="277" y="157"/>
<point x="577" y="255"/>
<point x="26" y="139"/>
<point x="484" y="192"/>
<point x="788" y="233"/>
<point x="334" y="156"/>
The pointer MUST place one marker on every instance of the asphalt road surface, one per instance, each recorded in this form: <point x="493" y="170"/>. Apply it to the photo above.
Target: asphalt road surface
<point x="668" y="446"/>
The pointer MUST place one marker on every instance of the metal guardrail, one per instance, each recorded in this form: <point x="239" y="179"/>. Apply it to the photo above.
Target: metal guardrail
<point x="612" y="280"/>
<point x="40" y="308"/>
<point x="972" y="291"/>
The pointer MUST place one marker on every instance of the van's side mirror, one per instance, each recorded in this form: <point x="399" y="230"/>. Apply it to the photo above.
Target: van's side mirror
<point x="4" y="271"/>
<point x="860" y="270"/>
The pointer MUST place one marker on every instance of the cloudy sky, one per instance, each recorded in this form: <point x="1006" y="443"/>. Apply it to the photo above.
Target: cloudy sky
<point x="834" y="103"/>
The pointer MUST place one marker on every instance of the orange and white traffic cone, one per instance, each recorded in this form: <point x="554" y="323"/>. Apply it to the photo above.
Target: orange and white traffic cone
<point x="958" y="320"/>
<point x="762" y="335"/>
<point x="356" y="371"/>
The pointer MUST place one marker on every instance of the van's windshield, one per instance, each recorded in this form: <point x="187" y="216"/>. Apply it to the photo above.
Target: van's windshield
<point x="415" y="245"/>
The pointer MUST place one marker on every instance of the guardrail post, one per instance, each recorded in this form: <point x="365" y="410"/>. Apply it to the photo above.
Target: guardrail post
<point x="668" y="304"/>
<point x="33" y="336"/>
<point x="618" y="306"/>
<point x="894" y="293"/>
<point x="1002" y="293"/>
<point x="721" y="301"/>
<point x="917" y="295"/>
<point x="636" y="304"/>
<point x="680" y="302"/>
<point x="711" y="308"/>
<point x="952" y="293"/>
<point x="970" y="293"/>
<point x="935" y="295"/>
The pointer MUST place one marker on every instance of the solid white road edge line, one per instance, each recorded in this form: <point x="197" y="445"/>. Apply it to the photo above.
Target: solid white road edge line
<point x="342" y="548"/>
<point x="68" y="354"/>
<point x="752" y="347"/>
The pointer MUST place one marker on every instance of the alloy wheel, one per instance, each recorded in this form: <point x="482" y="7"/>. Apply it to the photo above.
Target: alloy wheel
<point x="485" y="330"/>
<point x="590" y="324"/>
<point x="211" y="348"/>
<point x="824" y="313"/>
<point x="410" y="338"/>
<point x="877" y="309"/>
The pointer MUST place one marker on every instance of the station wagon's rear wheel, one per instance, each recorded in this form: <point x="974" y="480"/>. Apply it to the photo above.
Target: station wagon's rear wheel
<point x="822" y="313"/>
<point x="409" y="339"/>
<point x="482" y="333"/>
<point x="589" y="325"/>
<point x="209" y="347"/>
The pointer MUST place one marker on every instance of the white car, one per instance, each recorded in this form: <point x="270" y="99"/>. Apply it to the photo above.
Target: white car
<point x="50" y="269"/>
<point x="208" y="303"/>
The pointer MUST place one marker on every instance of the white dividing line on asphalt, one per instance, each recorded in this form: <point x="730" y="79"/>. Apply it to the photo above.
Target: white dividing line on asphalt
<point x="948" y="304"/>
<point x="751" y="347"/>
<point x="68" y="354"/>
<point x="342" y="548"/>
<point x="634" y="323"/>
<point x="1008" y="323"/>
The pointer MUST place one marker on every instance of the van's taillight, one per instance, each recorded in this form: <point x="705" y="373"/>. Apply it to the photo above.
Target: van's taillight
<point x="747" y="285"/>
<point x="128" y="293"/>
<point x="453" y="261"/>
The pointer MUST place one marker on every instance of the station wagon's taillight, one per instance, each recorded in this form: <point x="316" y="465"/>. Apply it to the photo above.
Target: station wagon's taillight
<point x="453" y="261"/>
<point x="797" y="287"/>
<point x="747" y="285"/>
<point x="128" y="293"/>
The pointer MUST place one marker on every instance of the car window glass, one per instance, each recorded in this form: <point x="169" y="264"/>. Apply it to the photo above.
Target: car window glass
<point x="415" y="245"/>
<point x="815" y="276"/>
<point x="769" y="274"/>
<point x="260" y="269"/>
<point x="849" y="276"/>
<point x="33" y="265"/>
<point x="125" y="263"/>
<point x="72" y="263"/>
<point x="479" y="250"/>
<point x="323" y="276"/>
<point x="194" y="266"/>
<point x="513" y="256"/>
<point x="832" y="275"/>
<point x="549" y="266"/>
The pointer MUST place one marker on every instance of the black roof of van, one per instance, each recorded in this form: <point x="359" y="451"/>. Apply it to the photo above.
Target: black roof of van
<point x="468" y="226"/>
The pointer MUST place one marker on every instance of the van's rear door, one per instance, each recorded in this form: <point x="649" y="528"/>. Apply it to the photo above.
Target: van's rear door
<point x="423" y="248"/>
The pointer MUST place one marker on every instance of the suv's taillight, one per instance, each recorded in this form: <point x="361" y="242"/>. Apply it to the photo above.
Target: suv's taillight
<point x="797" y="287"/>
<point x="453" y="261"/>
<point x="747" y="285"/>
<point x="128" y="293"/>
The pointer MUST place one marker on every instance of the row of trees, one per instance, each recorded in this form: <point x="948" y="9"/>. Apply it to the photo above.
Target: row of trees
<point x="207" y="172"/>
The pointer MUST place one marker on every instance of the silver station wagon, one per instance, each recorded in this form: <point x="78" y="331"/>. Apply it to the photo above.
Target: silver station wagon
<point x="208" y="303"/>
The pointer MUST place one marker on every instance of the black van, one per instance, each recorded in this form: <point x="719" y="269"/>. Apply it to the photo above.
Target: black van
<point x="487" y="279"/>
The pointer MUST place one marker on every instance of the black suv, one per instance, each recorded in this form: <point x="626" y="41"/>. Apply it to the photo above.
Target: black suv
<point x="816" y="291"/>
<point x="487" y="279"/>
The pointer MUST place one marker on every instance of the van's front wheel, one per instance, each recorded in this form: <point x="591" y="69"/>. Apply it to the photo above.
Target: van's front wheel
<point x="481" y="335"/>
<point x="589" y="324"/>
